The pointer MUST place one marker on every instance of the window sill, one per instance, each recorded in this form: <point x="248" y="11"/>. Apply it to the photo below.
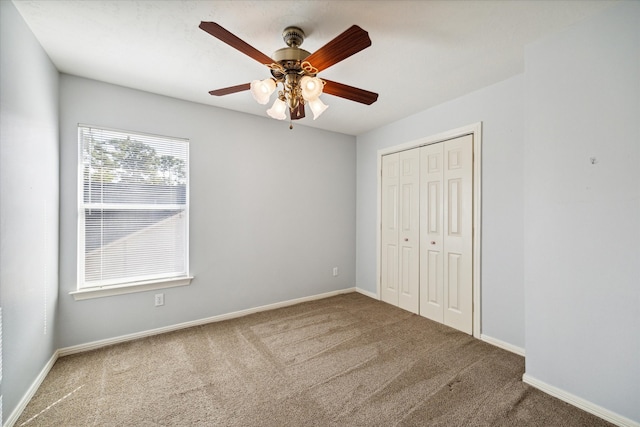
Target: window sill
<point x="129" y="288"/>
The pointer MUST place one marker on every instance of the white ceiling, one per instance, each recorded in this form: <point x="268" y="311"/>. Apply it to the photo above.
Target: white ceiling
<point x="423" y="53"/>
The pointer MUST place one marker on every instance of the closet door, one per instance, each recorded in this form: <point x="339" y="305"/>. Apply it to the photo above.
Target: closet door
<point x="389" y="232"/>
<point x="400" y="260"/>
<point x="431" y="232"/>
<point x="409" y="231"/>
<point x="446" y="208"/>
<point x="458" y="237"/>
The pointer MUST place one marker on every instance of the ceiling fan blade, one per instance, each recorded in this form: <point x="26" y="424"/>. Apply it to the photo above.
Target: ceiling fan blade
<point x="297" y="113"/>
<point x="232" y="40"/>
<point x="349" y="92"/>
<point x="350" y="42"/>
<point x="230" y="89"/>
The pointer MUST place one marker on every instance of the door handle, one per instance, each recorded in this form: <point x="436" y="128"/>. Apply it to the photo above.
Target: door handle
<point x="433" y="242"/>
<point x="406" y="239"/>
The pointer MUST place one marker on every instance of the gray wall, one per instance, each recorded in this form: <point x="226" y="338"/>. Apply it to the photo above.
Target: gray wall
<point x="556" y="229"/>
<point x="28" y="206"/>
<point x="582" y="222"/>
<point x="500" y="108"/>
<point x="272" y="210"/>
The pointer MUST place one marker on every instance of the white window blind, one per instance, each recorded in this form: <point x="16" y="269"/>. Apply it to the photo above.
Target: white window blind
<point x="133" y="200"/>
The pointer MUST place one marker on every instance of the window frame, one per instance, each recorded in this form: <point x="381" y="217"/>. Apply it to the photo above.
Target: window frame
<point x="142" y="283"/>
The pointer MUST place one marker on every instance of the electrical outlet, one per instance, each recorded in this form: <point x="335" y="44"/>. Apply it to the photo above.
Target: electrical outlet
<point x="335" y="271"/>
<point x="159" y="300"/>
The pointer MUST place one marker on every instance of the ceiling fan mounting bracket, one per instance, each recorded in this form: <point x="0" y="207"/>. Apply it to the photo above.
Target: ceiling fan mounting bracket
<point x="293" y="36"/>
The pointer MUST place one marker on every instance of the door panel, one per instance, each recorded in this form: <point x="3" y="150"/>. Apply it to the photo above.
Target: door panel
<point x="390" y="232"/>
<point x="409" y="235"/>
<point x="453" y="282"/>
<point x="405" y="274"/>
<point x="391" y="272"/>
<point x="431" y="237"/>
<point x="434" y="281"/>
<point x="453" y="198"/>
<point x="458" y="223"/>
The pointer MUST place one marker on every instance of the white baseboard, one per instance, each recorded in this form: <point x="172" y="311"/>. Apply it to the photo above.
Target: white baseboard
<point x="581" y="403"/>
<point x="124" y="338"/>
<point x="130" y="337"/>
<point x="502" y="344"/>
<point x="367" y="293"/>
<point x="31" y="391"/>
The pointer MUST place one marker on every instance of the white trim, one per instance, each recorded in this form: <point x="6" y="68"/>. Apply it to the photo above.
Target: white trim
<point x="80" y="220"/>
<point x="549" y="389"/>
<point x="82" y="207"/>
<point x="367" y="293"/>
<point x="579" y="402"/>
<point x="31" y="391"/>
<point x="475" y="130"/>
<point x="129" y="288"/>
<point x="130" y="337"/>
<point x="502" y="344"/>
<point x="147" y="134"/>
<point x="124" y="338"/>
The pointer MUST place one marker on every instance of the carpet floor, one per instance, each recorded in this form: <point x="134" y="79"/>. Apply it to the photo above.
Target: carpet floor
<point x="347" y="360"/>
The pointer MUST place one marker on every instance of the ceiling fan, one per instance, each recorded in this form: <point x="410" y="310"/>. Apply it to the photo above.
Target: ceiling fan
<point x="295" y="70"/>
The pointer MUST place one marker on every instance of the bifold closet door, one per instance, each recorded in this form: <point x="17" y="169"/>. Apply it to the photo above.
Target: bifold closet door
<point x="389" y="232"/>
<point x="431" y="232"/>
<point x="400" y="260"/>
<point x="446" y="240"/>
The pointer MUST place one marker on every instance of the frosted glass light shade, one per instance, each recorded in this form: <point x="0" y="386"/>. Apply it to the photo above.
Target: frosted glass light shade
<point x="278" y="109"/>
<point x="262" y="90"/>
<point x="311" y="87"/>
<point x="317" y="107"/>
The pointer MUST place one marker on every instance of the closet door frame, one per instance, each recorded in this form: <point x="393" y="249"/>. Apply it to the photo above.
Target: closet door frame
<point x="476" y="131"/>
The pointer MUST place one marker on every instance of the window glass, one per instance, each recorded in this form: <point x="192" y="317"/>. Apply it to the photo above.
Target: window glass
<point x="133" y="207"/>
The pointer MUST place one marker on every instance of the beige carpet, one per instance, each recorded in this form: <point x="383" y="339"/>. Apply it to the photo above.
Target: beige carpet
<point x="342" y="361"/>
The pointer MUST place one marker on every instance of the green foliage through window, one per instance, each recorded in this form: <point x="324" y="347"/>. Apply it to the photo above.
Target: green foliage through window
<point x="130" y="161"/>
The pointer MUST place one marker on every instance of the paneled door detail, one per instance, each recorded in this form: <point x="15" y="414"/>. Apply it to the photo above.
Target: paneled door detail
<point x="446" y="217"/>
<point x="431" y="234"/>
<point x="400" y="279"/>
<point x="458" y="237"/>
<point x="389" y="232"/>
<point x="409" y="233"/>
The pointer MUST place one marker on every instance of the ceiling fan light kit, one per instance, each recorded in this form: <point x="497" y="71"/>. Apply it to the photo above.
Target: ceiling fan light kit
<point x="262" y="90"/>
<point x="278" y="110"/>
<point x="295" y="70"/>
<point x="317" y="107"/>
<point x="311" y="87"/>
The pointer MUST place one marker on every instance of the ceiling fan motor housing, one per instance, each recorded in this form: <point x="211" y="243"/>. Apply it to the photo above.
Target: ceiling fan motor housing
<point x="291" y="57"/>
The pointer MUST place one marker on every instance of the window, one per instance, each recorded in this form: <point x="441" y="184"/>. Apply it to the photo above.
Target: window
<point x="133" y="219"/>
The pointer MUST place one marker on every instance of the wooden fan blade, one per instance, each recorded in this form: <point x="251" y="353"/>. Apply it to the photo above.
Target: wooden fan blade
<point x="297" y="113"/>
<point x="230" y="89"/>
<point x="349" y="92"/>
<point x="350" y="42"/>
<point x="232" y="40"/>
